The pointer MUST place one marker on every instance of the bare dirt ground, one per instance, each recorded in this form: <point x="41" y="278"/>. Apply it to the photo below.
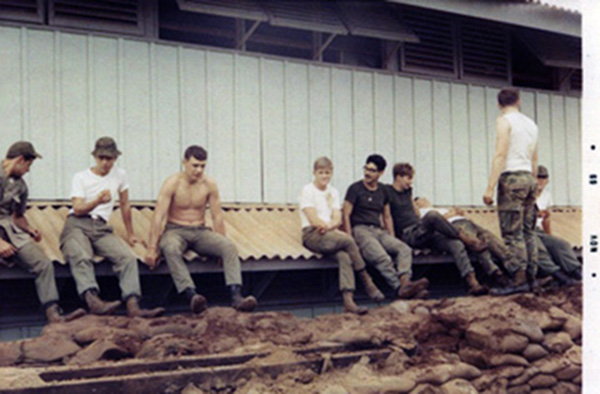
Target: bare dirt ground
<point x="516" y="344"/>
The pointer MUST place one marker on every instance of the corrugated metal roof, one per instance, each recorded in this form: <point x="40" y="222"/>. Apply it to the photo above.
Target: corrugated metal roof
<point x="245" y="9"/>
<point x="563" y="5"/>
<point x="260" y="231"/>
<point x="313" y="16"/>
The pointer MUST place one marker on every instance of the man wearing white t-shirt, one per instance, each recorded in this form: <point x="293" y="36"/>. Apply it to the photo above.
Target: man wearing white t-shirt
<point x="86" y="232"/>
<point x="321" y="217"/>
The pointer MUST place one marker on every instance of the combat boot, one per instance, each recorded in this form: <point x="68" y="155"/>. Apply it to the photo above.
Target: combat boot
<point x="97" y="306"/>
<point x="474" y="287"/>
<point x="54" y="314"/>
<point x="372" y="291"/>
<point x="519" y="285"/>
<point x="239" y="303"/>
<point x="349" y="304"/>
<point x="134" y="310"/>
<point x="197" y="302"/>
<point x="408" y="289"/>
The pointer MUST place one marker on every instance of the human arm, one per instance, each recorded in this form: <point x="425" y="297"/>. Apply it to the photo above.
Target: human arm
<point x="388" y="223"/>
<point x="499" y="160"/>
<point x="126" y="215"/>
<point x="163" y="203"/>
<point x="546" y="221"/>
<point x="216" y="212"/>
<point x="82" y="207"/>
<point x="22" y="222"/>
<point x="314" y="220"/>
<point x="346" y="212"/>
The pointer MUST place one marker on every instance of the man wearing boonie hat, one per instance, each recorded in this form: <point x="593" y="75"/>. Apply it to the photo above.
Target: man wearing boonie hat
<point x="86" y="232"/>
<point x="16" y="234"/>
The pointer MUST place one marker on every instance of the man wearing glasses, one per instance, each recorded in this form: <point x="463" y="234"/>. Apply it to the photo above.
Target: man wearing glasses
<point x="86" y="232"/>
<point x="367" y="216"/>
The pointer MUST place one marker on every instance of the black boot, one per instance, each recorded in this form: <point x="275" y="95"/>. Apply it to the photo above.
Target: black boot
<point x="242" y="304"/>
<point x="576" y="274"/>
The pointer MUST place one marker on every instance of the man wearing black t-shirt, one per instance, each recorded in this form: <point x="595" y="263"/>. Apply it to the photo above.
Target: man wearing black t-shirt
<point x="365" y="204"/>
<point x="433" y="230"/>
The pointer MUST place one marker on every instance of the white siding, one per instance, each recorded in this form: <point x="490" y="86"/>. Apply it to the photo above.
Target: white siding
<point x="263" y="120"/>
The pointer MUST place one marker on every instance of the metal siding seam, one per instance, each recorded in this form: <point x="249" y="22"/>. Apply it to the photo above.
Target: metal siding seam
<point x="26" y="115"/>
<point x="234" y="127"/>
<point x="58" y="114"/>
<point x="153" y="112"/>
<point x="468" y="100"/>
<point x="261" y="130"/>
<point x="121" y="100"/>
<point x="180" y="98"/>
<point x="285" y="129"/>
<point x="89" y="95"/>
<point x="352" y="105"/>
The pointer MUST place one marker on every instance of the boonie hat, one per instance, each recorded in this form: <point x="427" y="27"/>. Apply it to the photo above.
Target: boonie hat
<point x="22" y="148"/>
<point x="106" y="146"/>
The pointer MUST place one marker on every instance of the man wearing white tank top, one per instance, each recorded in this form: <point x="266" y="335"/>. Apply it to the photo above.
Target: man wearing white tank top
<point x="514" y="169"/>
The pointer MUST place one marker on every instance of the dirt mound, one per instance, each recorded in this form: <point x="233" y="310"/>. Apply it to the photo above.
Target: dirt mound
<point x="517" y="343"/>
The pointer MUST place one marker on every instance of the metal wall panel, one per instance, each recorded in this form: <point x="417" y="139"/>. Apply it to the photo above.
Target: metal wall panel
<point x="263" y="120"/>
<point x="442" y="144"/>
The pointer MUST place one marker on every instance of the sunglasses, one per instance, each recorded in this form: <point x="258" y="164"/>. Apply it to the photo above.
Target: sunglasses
<point x="371" y="170"/>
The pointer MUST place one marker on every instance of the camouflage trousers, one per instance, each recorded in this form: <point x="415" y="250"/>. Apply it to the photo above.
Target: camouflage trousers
<point x="496" y="248"/>
<point x="517" y="215"/>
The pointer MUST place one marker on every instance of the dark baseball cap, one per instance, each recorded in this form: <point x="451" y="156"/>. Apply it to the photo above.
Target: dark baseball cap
<point x="106" y="146"/>
<point x="22" y="148"/>
<point x="542" y="172"/>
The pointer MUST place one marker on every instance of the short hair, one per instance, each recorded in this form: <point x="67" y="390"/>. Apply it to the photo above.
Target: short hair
<point x="403" y="169"/>
<point x="378" y="160"/>
<point x="196" y="151"/>
<point x="508" y="97"/>
<point x="322" y="162"/>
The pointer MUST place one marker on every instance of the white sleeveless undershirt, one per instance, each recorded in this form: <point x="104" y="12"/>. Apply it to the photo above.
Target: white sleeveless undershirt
<point x="523" y="139"/>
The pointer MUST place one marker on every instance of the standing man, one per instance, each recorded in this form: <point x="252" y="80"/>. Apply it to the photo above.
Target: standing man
<point x="366" y="208"/>
<point x="16" y="234"/>
<point x="87" y="232"/>
<point x="321" y="217"/>
<point x="433" y="230"/>
<point x="514" y="168"/>
<point x="182" y="203"/>
<point x="559" y="249"/>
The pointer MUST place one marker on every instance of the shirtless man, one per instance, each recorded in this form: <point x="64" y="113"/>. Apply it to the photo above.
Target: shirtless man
<point x="182" y="204"/>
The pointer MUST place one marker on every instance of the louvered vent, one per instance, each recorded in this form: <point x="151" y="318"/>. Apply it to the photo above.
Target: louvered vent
<point x="22" y="10"/>
<point x="484" y="49"/>
<point x="116" y="16"/>
<point x="435" y="51"/>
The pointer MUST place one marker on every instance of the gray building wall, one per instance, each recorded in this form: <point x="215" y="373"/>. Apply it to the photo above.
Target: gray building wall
<point x="262" y="119"/>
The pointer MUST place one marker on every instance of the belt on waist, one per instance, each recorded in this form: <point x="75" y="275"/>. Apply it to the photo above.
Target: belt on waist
<point x="93" y="217"/>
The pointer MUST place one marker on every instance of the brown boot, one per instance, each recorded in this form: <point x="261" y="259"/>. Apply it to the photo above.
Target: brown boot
<point x="349" y="304"/>
<point x="197" y="303"/>
<point x="422" y="295"/>
<point x="134" y="310"/>
<point x="408" y="289"/>
<point x="372" y="291"/>
<point x="245" y="304"/>
<point x="474" y="287"/>
<point x="520" y="278"/>
<point x="97" y="306"/>
<point x="474" y="244"/>
<point x="54" y="314"/>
